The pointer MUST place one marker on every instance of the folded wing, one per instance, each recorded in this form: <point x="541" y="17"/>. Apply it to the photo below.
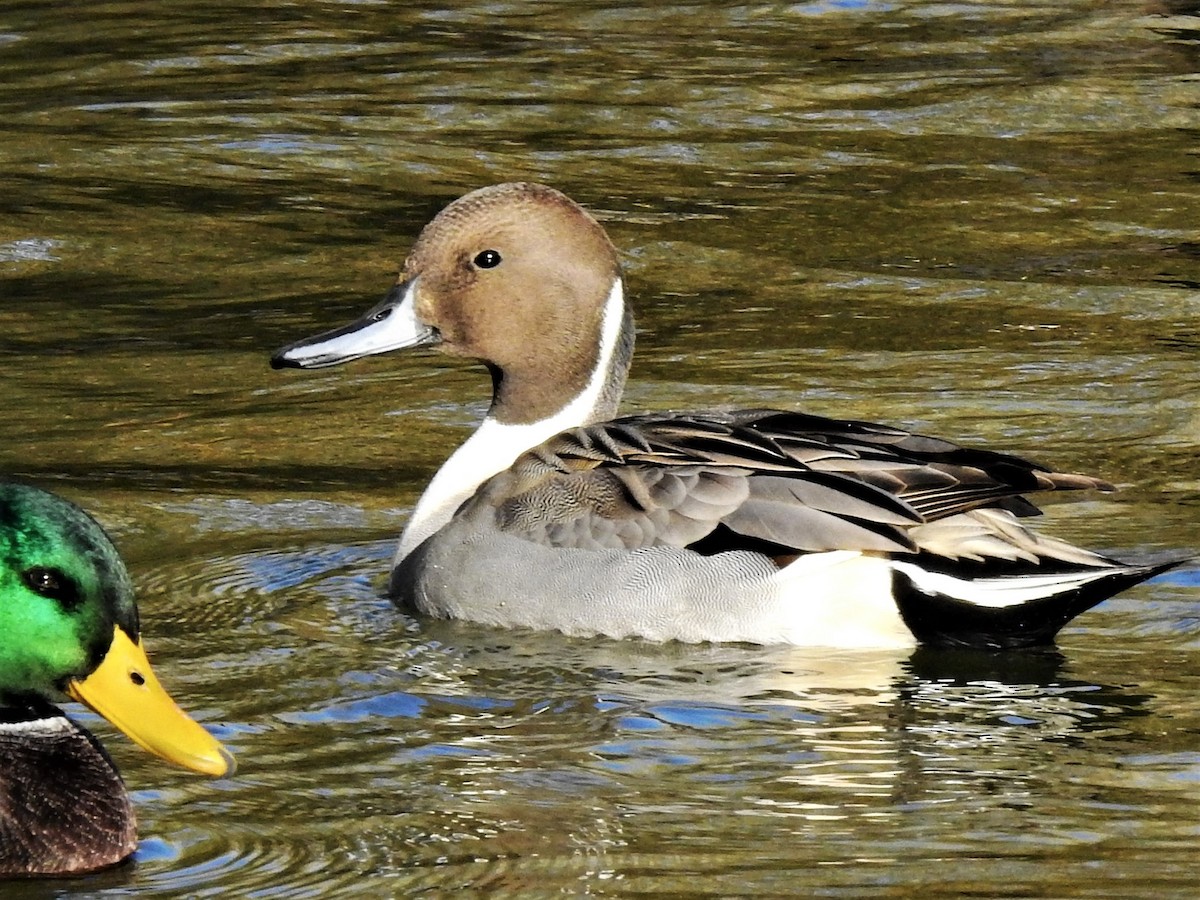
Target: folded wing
<point x="780" y="483"/>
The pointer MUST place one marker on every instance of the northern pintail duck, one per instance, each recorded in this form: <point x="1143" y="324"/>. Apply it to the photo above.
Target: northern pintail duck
<point x="69" y="626"/>
<point x="756" y="525"/>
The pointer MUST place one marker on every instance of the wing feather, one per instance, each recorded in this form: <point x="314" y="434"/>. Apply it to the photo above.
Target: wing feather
<point x="781" y="482"/>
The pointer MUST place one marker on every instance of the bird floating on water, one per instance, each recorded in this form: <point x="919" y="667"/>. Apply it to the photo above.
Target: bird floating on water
<point x="69" y="627"/>
<point x="757" y="525"/>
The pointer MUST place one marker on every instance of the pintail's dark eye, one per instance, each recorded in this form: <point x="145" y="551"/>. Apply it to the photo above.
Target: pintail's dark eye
<point x="53" y="584"/>
<point x="488" y="259"/>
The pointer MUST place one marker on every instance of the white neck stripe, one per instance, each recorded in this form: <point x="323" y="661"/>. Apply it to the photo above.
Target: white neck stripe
<point x="494" y="445"/>
<point x="584" y="405"/>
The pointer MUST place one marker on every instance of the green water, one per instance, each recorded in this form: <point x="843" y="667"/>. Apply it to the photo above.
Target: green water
<point x="977" y="219"/>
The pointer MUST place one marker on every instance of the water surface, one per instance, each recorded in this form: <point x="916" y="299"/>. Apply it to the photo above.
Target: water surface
<point x="976" y="219"/>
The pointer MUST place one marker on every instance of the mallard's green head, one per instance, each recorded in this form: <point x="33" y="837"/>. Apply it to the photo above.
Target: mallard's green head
<point x="69" y="624"/>
<point x="63" y="589"/>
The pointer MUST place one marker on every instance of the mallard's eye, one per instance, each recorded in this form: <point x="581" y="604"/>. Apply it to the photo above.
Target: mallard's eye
<point x="488" y="259"/>
<point x="53" y="584"/>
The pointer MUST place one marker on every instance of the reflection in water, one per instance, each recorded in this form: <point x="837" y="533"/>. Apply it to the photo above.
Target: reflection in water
<point x="976" y="725"/>
<point x="448" y="752"/>
<point x="975" y="219"/>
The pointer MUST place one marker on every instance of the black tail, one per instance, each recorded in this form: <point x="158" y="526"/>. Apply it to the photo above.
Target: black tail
<point x="939" y="619"/>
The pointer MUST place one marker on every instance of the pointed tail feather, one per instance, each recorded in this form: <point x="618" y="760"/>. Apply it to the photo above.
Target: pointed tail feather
<point x="1009" y="612"/>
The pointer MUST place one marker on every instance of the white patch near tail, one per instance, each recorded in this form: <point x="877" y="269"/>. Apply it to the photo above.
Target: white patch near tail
<point x="841" y="598"/>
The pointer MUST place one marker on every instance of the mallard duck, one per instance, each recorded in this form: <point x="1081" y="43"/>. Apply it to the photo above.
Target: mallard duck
<point x="69" y="627"/>
<point x="761" y="526"/>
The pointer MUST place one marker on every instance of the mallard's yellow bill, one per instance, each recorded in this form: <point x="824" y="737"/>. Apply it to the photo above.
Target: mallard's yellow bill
<point x="125" y="691"/>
